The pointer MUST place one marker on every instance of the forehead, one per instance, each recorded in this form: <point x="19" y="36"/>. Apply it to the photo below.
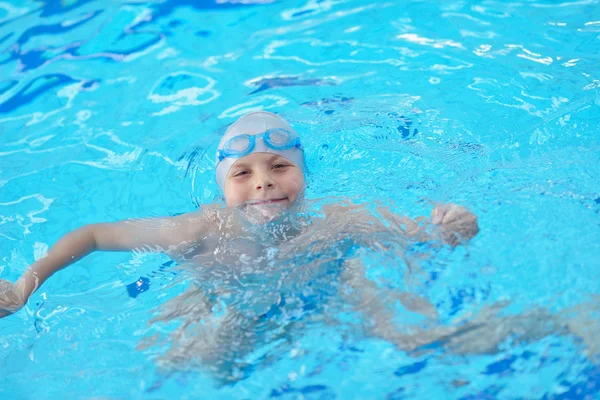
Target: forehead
<point x="256" y="158"/>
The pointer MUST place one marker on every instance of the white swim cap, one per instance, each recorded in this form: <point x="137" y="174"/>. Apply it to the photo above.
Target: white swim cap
<point x="255" y="123"/>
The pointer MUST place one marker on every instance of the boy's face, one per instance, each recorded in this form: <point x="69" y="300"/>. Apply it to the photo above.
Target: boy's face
<point x="265" y="182"/>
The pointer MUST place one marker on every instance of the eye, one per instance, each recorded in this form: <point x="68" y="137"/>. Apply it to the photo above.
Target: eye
<point x="279" y="166"/>
<point x="241" y="173"/>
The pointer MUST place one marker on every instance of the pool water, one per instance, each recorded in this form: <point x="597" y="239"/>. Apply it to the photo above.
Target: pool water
<point x="110" y="110"/>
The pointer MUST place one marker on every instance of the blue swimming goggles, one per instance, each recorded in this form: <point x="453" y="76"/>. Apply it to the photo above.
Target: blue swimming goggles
<point x="241" y="145"/>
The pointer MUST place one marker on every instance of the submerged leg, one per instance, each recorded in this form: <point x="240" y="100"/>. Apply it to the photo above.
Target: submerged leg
<point x="481" y="334"/>
<point x="206" y="338"/>
<point x="376" y="306"/>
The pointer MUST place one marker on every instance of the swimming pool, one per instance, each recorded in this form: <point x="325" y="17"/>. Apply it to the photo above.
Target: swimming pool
<point x="109" y="109"/>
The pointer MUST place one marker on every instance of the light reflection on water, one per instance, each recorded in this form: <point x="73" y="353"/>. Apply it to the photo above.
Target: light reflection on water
<point x="111" y="110"/>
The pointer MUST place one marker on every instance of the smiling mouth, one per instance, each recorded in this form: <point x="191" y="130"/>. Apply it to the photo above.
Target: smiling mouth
<point x="270" y="201"/>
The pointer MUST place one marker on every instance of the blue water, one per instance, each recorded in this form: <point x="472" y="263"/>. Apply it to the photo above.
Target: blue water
<point x="110" y="110"/>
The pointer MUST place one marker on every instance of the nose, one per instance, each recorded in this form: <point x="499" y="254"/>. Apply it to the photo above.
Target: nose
<point x="264" y="185"/>
<point x="264" y="181"/>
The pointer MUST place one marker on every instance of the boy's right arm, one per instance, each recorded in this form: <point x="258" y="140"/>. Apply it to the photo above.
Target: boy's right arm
<point x="162" y="234"/>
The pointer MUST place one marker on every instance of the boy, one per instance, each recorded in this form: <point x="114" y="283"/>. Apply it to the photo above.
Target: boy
<point x="260" y="168"/>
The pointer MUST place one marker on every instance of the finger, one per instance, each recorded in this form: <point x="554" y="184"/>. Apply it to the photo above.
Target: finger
<point x="437" y="214"/>
<point x="454" y="213"/>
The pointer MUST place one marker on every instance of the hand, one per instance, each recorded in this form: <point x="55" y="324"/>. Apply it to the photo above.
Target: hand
<point x="457" y="223"/>
<point x="10" y="299"/>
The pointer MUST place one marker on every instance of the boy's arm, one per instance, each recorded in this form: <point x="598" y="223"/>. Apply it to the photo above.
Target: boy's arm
<point x="454" y="224"/>
<point x="161" y="234"/>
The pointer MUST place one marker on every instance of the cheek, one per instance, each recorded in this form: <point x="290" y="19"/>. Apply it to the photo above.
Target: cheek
<point x="234" y="194"/>
<point x="296" y="183"/>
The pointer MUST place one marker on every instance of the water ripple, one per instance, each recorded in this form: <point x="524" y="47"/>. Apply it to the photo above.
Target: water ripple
<point x="111" y="110"/>
<point x="183" y="88"/>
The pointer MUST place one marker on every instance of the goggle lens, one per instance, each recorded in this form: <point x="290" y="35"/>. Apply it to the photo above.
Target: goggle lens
<point x="279" y="137"/>
<point x="238" y="144"/>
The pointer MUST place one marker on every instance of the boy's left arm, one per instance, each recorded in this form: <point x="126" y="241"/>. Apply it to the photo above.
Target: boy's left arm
<point x="454" y="224"/>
